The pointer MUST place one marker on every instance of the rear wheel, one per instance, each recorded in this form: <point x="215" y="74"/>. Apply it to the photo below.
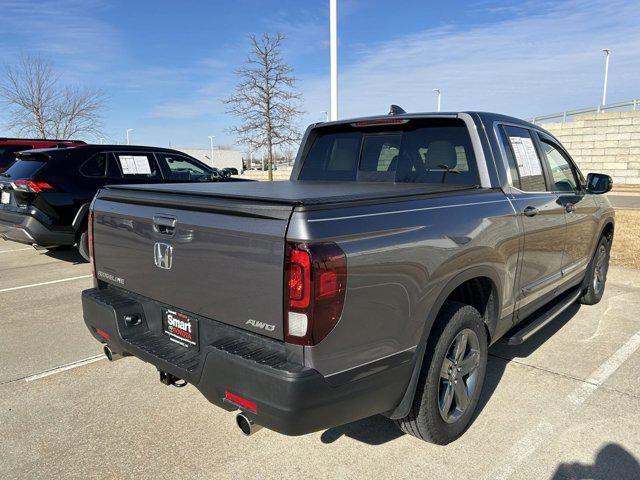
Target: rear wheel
<point x="452" y="376"/>
<point x="596" y="275"/>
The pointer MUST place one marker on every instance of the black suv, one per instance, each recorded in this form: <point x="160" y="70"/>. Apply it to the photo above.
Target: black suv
<point x="46" y="193"/>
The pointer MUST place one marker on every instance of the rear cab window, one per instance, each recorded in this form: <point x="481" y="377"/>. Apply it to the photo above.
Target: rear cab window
<point x="418" y="151"/>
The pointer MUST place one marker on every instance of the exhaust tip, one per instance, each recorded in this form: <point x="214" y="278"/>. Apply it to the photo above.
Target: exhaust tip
<point x="111" y="356"/>
<point x="247" y="426"/>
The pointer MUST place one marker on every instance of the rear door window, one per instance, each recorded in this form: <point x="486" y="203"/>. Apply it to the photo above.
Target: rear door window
<point x="137" y="165"/>
<point x="420" y="151"/>
<point x="522" y="152"/>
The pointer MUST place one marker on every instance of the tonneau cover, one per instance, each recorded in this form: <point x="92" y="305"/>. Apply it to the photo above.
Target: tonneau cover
<point x="297" y="192"/>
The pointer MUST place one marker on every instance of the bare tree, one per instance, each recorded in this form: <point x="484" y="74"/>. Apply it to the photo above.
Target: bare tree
<point x="38" y="105"/>
<point x="265" y="98"/>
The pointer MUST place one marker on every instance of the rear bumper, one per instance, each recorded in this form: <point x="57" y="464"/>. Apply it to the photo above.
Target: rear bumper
<point x="290" y="398"/>
<point x="23" y="227"/>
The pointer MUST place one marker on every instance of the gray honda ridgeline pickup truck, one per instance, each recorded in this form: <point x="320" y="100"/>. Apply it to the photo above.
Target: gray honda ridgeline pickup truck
<point x="373" y="282"/>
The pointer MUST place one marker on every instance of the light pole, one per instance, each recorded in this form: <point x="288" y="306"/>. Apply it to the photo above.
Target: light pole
<point x="438" y="97"/>
<point x="211" y="137"/>
<point x="128" y="130"/>
<point x="333" y="39"/>
<point x="326" y="115"/>
<point x="607" y="52"/>
<point x="102" y="140"/>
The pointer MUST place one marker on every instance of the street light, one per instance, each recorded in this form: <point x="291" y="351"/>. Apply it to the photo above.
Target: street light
<point x="128" y="130"/>
<point x="438" y="97"/>
<point x="211" y="137"/>
<point x="607" y="52"/>
<point x="326" y="115"/>
<point x="333" y="40"/>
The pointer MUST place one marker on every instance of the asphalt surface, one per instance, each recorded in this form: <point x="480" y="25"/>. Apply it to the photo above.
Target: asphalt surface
<point x="566" y="405"/>
<point x="624" y="201"/>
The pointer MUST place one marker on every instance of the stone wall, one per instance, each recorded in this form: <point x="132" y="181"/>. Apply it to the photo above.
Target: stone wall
<point x="607" y="142"/>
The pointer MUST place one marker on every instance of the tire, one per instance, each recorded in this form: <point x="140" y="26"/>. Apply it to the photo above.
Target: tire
<point x="596" y="276"/>
<point x="427" y="420"/>
<point x="83" y="245"/>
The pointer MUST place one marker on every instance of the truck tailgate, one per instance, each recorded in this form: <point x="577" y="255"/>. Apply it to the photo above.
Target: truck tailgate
<point x="227" y="256"/>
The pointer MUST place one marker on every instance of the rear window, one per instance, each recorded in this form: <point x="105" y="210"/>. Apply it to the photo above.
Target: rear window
<point x="26" y="167"/>
<point x="420" y="151"/>
<point x="8" y="153"/>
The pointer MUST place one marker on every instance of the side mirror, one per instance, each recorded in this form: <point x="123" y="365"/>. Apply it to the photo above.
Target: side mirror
<point x="599" y="183"/>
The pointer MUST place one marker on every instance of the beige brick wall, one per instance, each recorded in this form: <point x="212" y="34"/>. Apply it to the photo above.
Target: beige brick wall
<point x="607" y="142"/>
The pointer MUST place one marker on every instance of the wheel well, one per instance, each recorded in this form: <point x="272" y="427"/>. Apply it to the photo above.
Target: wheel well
<point x="476" y="292"/>
<point x="608" y="231"/>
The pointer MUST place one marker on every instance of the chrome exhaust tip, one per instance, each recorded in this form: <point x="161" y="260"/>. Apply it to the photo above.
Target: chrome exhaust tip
<point x="246" y="425"/>
<point x="111" y="356"/>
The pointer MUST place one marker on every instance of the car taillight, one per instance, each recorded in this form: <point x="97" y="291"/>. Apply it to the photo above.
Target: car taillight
<point x="315" y="285"/>
<point x="31" y="186"/>
<point x="90" y="240"/>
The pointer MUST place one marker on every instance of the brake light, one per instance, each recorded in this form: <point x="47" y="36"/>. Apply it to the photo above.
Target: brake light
<point x="386" y="121"/>
<point x="92" y="261"/>
<point x="315" y="285"/>
<point x="31" y="186"/>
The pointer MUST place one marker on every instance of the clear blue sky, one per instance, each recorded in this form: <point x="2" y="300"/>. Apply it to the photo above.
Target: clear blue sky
<point x="165" y="65"/>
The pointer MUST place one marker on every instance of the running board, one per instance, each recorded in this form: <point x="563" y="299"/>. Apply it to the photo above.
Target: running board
<point x="536" y="324"/>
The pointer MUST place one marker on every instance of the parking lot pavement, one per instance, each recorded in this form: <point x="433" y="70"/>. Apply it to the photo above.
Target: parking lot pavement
<point x="565" y="405"/>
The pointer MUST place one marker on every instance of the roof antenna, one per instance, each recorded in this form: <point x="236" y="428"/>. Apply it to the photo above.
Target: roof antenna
<point x="396" y="110"/>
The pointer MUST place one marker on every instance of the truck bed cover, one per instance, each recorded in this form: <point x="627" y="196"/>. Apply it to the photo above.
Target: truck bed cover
<point x="297" y="193"/>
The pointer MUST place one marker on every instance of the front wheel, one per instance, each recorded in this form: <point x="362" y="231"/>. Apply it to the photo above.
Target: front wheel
<point x="452" y="376"/>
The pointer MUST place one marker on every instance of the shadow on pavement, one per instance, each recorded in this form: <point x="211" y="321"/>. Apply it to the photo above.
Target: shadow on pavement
<point x="613" y="462"/>
<point x="66" y="254"/>
<point x="500" y="355"/>
<point x="378" y="429"/>
<point x="374" y="430"/>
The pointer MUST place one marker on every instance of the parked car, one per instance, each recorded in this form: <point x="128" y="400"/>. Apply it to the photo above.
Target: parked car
<point x="45" y="194"/>
<point x="10" y="146"/>
<point x="402" y="247"/>
<point x="230" y="171"/>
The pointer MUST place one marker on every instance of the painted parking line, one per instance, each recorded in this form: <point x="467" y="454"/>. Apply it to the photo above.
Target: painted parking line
<point x="17" y="250"/>
<point x="542" y="433"/>
<point x="63" y="368"/>
<point x="12" y="289"/>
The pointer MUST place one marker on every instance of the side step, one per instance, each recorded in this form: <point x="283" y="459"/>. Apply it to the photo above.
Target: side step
<point x="535" y="324"/>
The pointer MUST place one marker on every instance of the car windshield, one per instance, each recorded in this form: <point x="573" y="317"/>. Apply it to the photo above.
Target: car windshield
<point x="419" y="151"/>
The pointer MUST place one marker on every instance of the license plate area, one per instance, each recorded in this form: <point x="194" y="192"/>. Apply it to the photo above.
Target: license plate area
<point x="181" y="328"/>
<point x="5" y="198"/>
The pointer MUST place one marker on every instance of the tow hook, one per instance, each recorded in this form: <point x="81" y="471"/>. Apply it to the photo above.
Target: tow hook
<point x="169" y="379"/>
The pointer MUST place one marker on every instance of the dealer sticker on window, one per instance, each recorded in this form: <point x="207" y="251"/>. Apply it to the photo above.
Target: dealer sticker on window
<point x="181" y="328"/>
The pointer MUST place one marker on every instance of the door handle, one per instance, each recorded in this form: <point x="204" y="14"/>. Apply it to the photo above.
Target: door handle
<point x="164" y="225"/>
<point x="570" y="207"/>
<point x="531" y="211"/>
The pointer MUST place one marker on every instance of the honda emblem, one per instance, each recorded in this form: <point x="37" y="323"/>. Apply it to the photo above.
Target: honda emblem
<point x="163" y="255"/>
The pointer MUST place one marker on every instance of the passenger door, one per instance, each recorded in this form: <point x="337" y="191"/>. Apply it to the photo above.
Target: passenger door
<point x="579" y="207"/>
<point x="542" y="218"/>
<point x="178" y="168"/>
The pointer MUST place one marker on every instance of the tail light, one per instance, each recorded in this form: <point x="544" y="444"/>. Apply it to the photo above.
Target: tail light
<point x="315" y="285"/>
<point x="31" y="186"/>
<point x="90" y="241"/>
